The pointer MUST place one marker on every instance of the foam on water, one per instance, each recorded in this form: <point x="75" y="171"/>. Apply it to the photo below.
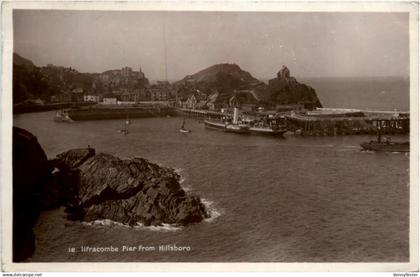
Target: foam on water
<point x="182" y="179"/>
<point x="139" y="226"/>
<point x="162" y="228"/>
<point x="105" y="222"/>
<point x="213" y="212"/>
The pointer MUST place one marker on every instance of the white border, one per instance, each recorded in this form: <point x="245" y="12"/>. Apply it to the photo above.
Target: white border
<point x="330" y="6"/>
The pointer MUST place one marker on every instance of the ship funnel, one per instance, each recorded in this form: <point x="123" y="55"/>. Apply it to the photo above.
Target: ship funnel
<point x="235" y="115"/>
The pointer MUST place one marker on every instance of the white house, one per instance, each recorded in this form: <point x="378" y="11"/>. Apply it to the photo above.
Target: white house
<point x="110" y="101"/>
<point x="91" y="98"/>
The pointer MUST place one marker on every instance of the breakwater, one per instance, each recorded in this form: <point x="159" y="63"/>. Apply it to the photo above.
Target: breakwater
<point x="361" y="124"/>
<point x="115" y="112"/>
<point x="32" y="108"/>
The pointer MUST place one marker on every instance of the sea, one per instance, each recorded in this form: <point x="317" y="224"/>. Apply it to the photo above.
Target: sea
<point x="271" y="199"/>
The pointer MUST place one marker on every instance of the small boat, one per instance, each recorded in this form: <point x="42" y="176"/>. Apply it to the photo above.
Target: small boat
<point x="62" y="116"/>
<point x="124" y="131"/>
<point x="183" y="129"/>
<point x="386" y="146"/>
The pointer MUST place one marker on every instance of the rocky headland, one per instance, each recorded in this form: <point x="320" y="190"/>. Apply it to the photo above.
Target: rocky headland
<point x="227" y="80"/>
<point x="286" y="90"/>
<point x="93" y="186"/>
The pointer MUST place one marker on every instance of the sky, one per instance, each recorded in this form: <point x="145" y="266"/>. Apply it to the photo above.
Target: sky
<point x="334" y="44"/>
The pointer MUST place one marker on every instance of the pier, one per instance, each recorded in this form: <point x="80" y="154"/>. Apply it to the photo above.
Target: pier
<point x="332" y="122"/>
<point x="357" y="124"/>
<point x="203" y="113"/>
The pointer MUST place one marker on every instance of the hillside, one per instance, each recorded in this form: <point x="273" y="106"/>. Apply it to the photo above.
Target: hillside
<point x="223" y="78"/>
<point x="215" y="73"/>
<point x="28" y="81"/>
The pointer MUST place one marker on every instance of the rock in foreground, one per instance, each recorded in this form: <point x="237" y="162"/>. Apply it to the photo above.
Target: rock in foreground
<point x="31" y="171"/>
<point x="126" y="191"/>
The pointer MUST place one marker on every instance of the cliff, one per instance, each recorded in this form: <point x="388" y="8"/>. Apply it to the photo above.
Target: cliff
<point x="285" y="89"/>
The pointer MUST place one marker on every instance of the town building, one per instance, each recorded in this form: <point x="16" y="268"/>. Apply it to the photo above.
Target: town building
<point x="92" y="98"/>
<point x="110" y="101"/>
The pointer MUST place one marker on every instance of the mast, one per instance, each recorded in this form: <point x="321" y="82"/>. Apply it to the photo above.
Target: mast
<point x="164" y="48"/>
<point x="183" y="124"/>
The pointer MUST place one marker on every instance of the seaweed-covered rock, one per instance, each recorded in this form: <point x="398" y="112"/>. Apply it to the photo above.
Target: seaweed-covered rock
<point x="129" y="191"/>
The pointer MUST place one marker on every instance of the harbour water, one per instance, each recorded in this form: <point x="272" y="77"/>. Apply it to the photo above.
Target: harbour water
<point x="296" y="199"/>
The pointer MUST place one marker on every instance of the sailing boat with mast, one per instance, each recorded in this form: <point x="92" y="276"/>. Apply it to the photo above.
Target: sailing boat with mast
<point x="183" y="129"/>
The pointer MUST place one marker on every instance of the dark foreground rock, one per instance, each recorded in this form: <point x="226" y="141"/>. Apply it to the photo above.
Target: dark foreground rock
<point x="126" y="191"/>
<point x="31" y="171"/>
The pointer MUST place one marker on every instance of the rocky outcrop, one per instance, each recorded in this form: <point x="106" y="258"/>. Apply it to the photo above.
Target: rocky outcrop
<point x="31" y="171"/>
<point x="92" y="186"/>
<point x="286" y="90"/>
<point x="127" y="191"/>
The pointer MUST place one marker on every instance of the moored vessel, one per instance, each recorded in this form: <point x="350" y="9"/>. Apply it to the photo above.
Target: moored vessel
<point x="214" y="125"/>
<point x="62" y="116"/>
<point x="237" y="128"/>
<point x="267" y="130"/>
<point x="386" y="146"/>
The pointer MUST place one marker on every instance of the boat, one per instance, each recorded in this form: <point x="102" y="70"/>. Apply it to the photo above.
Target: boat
<point x="215" y="125"/>
<point x="237" y="128"/>
<point x="62" y="116"/>
<point x="227" y="127"/>
<point x="183" y="129"/>
<point x="124" y="131"/>
<point x="265" y="130"/>
<point x="386" y="146"/>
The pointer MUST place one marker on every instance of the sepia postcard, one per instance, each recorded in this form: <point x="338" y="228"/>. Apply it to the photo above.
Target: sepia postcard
<point x="203" y="136"/>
